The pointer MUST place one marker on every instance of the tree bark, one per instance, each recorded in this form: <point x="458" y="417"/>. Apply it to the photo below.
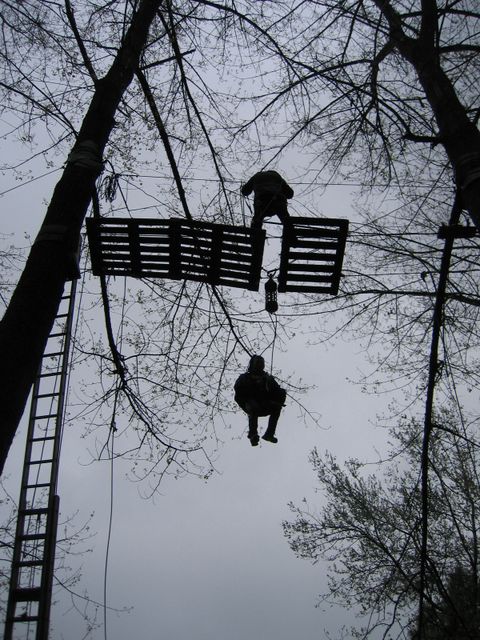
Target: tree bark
<point x="28" y="320"/>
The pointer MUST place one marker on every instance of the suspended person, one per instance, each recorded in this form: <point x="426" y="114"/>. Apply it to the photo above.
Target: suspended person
<point x="259" y="394"/>
<point x="270" y="195"/>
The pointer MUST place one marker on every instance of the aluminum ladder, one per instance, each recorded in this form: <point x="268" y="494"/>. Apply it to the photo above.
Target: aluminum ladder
<point x="30" y="594"/>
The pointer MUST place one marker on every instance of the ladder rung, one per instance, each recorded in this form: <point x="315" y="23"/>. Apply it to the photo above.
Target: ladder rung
<point x="53" y="354"/>
<point x="39" y="485"/>
<point x="26" y="619"/>
<point x="34" y="512"/>
<point x="49" y="375"/>
<point x="46" y="415"/>
<point x="47" y="395"/>
<point x="32" y="536"/>
<point x="61" y="315"/>
<point x="28" y="563"/>
<point x="57" y="335"/>
<point x="42" y="439"/>
<point x="24" y="595"/>
<point x="48" y="461"/>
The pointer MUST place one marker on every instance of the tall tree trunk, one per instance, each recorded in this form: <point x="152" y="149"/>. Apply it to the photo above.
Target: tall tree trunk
<point x="458" y="134"/>
<point x="28" y="320"/>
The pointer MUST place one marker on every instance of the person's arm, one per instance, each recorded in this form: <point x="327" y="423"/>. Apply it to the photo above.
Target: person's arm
<point x="287" y="190"/>
<point x="240" y="388"/>
<point x="274" y="389"/>
<point x="247" y="188"/>
<point x="244" y="396"/>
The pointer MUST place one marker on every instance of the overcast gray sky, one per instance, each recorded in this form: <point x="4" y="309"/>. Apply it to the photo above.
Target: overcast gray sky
<point x="208" y="559"/>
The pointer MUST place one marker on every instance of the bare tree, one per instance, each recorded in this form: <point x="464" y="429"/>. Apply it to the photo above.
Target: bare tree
<point x="99" y="51"/>
<point x="369" y="532"/>
<point x="32" y="309"/>
<point x="370" y="81"/>
<point x="347" y="85"/>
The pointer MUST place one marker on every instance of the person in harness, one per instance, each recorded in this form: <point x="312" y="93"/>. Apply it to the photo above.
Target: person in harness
<point x="271" y="193"/>
<point x="259" y="394"/>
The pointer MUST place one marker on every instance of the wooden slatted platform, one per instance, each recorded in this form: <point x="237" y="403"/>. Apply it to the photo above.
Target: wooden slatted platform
<point x="313" y="263"/>
<point x="177" y="248"/>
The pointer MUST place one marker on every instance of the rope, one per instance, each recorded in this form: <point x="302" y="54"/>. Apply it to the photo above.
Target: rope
<point x="273" y="343"/>
<point x="113" y="429"/>
<point x="87" y="155"/>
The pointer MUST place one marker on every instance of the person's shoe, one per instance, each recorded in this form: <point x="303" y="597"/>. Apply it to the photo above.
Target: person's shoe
<point x="270" y="438"/>
<point x="254" y="440"/>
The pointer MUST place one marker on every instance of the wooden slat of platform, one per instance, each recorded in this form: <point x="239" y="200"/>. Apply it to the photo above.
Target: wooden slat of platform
<point x="229" y="268"/>
<point x="201" y="251"/>
<point x="241" y="246"/>
<point x="310" y="288"/>
<point x="239" y="284"/>
<point x="189" y="253"/>
<point x="312" y="264"/>
<point x="121" y="228"/>
<point x="311" y="268"/>
<point x="155" y="258"/>
<point x="310" y="277"/>
<point x="321" y="245"/>
<point x="301" y="222"/>
<point x="223" y="265"/>
<point x="190" y="250"/>
<point x="199" y="224"/>
<point x="306" y="256"/>
<point x="318" y="234"/>
<point x="148" y="272"/>
<point x="159" y="241"/>
<point x="318" y="245"/>
<point x="155" y="262"/>
<point x="232" y="257"/>
<point x="234" y="266"/>
<point x="234" y="234"/>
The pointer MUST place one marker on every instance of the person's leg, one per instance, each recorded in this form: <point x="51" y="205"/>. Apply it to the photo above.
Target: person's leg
<point x="269" y="434"/>
<point x="264" y="206"/>
<point x="281" y="210"/>
<point x="257" y="221"/>
<point x="277" y="406"/>
<point x="253" y="430"/>
<point x="284" y="217"/>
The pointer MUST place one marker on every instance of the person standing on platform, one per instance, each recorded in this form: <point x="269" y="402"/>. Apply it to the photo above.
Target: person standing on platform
<point x="270" y="195"/>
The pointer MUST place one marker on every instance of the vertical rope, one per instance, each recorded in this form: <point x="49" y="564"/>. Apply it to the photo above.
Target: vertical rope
<point x="113" y="429"/>
<point x="273" y="343"/>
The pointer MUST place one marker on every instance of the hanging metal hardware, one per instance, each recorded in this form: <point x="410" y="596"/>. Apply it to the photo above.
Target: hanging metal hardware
<point x="271" y="303"/>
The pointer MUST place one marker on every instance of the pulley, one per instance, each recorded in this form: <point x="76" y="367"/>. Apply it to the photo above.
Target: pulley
<point x="271" y="304"/>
